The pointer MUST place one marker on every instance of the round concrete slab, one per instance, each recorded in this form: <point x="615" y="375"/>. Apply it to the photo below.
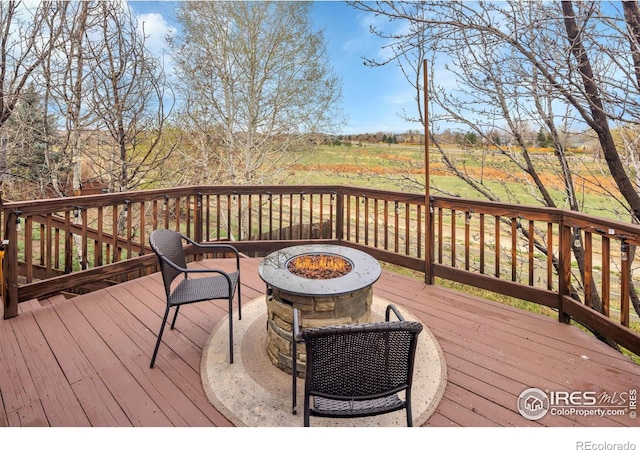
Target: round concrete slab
<point x="253" y="392"/>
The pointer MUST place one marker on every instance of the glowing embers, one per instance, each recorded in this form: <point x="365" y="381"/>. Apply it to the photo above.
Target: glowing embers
<point x="319" y="266"/>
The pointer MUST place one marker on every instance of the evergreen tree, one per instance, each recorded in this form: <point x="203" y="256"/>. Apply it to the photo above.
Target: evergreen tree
<point x="29" y="138"/>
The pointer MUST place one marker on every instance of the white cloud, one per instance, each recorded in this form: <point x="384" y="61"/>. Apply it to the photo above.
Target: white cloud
<point x="155" y="29"/>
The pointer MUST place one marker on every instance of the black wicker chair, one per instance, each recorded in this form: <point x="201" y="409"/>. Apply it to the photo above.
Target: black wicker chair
<point x="167" y="245"/>
<point x="357" y="370"/>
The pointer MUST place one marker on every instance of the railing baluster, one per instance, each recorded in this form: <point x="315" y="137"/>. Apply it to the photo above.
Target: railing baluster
<point x="207" y="219"/>
<point x="300" y="213"/>
<point x="142" y="222"/>
<point x="357" y="218"/>
<point x="187" y="213"/>
<point x="396" y="219"/>
<point x="28" y="247"/>
<point x="56" y="255"/>
<point x="481" y="242"/>
<point x="270" y="215"/>
<point x="84" y="258"/>
<point x="606" y="275"/>
<point x="310" y="216"/>
<point x="588" y="268"/>
<point x="497" y="247"/>
<point x="348" y="216"/>
<point x="48" y="247"/>
<point x="229" y="225"/>
<point x="128" y="210"/>
<point x="250" y="215"/>
<point x="176" y="212"/>
<point x="467" y="238"/>
<point x="419" y="230"/>
<point x="280" y="218"/>
<point x="97" y="257"/>
<point x="376" y="223"/>
<point x="291" y="216"/>
<point x="239" y="201"/>
<point x="531" y="254"/>
<point x="218" y="215"/>
<point x="440" y="236"/>
<point x="43" y="240"/>
<point x="407" y="228"/>
<point x="550" y="256"/>
<point x="331" y="205"/>
<point x="514" y="249"/>
<point x="453" y="238"/>
<point x="68" y="243"/>
<point x="321" y="215"/>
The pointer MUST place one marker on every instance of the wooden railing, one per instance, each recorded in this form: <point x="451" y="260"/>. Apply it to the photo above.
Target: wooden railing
<point x="75" y="244"/>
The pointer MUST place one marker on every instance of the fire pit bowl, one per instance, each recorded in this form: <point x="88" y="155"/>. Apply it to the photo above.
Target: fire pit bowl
<point x="339" y="291"/>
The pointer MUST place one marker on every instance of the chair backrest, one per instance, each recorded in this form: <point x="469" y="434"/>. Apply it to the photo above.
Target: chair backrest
<point x="168" y="244"/>
<point x="361" y="360"/>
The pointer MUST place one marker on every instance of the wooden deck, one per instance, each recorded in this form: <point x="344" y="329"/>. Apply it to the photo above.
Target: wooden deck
<point x="85" y="362"/>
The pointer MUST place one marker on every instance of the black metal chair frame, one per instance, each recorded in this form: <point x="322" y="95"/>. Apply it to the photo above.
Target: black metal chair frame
<point x="167" y="245"/>
<point x="364" y="366"/>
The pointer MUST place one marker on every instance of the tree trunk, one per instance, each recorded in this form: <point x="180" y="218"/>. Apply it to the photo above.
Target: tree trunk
<point x="599" y="120"/>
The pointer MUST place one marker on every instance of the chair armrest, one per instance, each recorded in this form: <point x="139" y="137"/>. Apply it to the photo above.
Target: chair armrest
<point x="186" y="271"/>
<point x="213" y="246"/>
<point x="227" y="248"/>
<point x="392" y="308"/>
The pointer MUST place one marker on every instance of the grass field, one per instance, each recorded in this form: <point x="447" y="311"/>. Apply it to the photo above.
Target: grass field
<point x="391" y="167"/>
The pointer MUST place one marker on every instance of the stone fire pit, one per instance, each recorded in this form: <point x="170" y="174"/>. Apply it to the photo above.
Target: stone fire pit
<point x="329" y="299"/>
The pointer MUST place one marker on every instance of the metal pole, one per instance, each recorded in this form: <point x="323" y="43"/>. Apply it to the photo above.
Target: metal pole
<point x="428" y="253"/>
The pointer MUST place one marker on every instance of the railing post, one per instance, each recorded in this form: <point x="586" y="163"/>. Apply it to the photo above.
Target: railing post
<point x="3" y="246"/>
<point x="429" y="252"/>
<point x="564" y="268"/>
<point x="197" y="218"/>
<point x="10" y="265"/>
<point x="625" y="275"/>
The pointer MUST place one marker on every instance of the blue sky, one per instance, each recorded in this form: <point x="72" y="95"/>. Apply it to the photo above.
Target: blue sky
<point x="373" y="98"/>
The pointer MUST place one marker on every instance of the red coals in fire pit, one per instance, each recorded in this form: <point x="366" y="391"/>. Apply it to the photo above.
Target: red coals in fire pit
<point x="319" y="267"/>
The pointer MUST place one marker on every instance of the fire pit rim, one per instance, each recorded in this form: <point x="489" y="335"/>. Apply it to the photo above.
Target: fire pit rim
<point x="274" y="272"/>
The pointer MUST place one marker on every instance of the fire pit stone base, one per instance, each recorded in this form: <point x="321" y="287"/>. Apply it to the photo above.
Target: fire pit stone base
<point x="343" y="299"/>
<point x="318" y="311"/>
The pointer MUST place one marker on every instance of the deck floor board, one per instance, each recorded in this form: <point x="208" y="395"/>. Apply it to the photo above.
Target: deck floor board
<point x="85" y="361"/>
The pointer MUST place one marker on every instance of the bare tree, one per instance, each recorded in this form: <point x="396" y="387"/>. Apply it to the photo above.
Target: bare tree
<point x="62" y="79"/>
<point x="557" y="66"/>
<point x="28" y="138"/>
<point x="25" y="42"/>
<point x="100" y="88"/>
<point x="126" y="92"/>
<point x="256" y="87"/>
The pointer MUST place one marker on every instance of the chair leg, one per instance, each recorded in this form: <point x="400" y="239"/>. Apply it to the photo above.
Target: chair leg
<point x="231" y="330"/>
<point x="408" y="407"/>
<point x="239" y="306"/>
<point x="155" y="351"/>
<point x="175" y="316"/>
<point x="294" y="373"/>
<point x="306" y="412"/>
